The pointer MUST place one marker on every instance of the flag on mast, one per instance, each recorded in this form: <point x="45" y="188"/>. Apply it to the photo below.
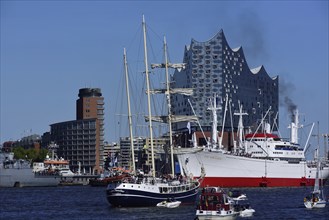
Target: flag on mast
<point x="189" y="127"/>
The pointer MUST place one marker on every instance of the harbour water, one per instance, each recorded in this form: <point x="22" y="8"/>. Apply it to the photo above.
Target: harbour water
<point x="86" y="202"/>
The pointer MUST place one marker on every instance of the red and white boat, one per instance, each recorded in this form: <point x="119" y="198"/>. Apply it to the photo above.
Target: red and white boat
<point x="262" y="159"/>
<point x="54" y="164"/>
<point x="214" y="203"/>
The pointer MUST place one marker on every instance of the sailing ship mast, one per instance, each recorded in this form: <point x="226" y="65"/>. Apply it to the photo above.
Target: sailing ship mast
<point x="129" y="111"/>
<point x="169" y="119"/>
<point x="167" y="92"/>
<point x="317" y="183"/>
<point x="169" y="108"/>
<point x="148" y="97"/>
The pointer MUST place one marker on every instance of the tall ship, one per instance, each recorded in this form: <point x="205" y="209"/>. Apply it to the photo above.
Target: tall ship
<point x="260" y="159"/>
<point x="20" y="173"/>
<point x="149" y="190"/>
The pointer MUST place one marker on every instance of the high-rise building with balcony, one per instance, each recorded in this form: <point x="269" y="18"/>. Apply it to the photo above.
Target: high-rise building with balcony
<point x="78" y="142"/>
<point x="212" y="67"/>
<point x="91" y="105"/>
<point x="82" y="140"/>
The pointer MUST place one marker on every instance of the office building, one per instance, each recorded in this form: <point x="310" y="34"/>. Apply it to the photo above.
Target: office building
<point x="126" y="154"/>
<point x="142" y="153"/>
<point x="78" y="141"/>
<point x="82" y="140"/>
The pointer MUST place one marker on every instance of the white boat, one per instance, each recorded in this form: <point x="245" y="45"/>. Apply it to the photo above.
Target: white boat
<point x="239" y="199"/>
<point x="315" y="202"/>
<point x="242" y="197"/>
<point x="247" y="212"/>
<point x="214" y="203"/>
<point x="236" y="195"/>
<point x="169" y="204"/>
<point x="59" y="165"/>
<point x="54" y="164"/>
<point x="19" y="173"/>
<point x="316" y="199"/>
<point x="260" y="159"/>
<point x="149" y="190"/>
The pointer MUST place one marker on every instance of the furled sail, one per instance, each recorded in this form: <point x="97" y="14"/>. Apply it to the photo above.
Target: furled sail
<point x="174" y="118"/>
<point x="183" y="91"/>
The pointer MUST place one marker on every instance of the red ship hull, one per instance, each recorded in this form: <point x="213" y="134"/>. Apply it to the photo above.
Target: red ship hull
<point x="256" y="182"/>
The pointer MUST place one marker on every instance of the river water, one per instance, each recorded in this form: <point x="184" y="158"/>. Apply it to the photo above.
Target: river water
<point x="86" y="202"/>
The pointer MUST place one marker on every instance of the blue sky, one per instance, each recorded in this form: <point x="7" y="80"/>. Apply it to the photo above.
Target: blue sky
<point x="51" y="49"/>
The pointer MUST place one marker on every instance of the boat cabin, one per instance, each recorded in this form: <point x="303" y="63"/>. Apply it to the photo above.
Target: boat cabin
<point x="270" y="146"/>
<point x="213" y="199"/>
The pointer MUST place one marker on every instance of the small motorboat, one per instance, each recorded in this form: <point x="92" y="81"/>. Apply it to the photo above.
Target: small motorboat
<point x="237" y="195"/>
<point x="214" y="203"/>
<point x="169" y="203"/>
<point x="239" y="201"/>
<point x="242" y="197"/>
<point x="246" y="212"/>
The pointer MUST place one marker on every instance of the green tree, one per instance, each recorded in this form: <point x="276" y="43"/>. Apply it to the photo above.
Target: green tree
<point x="30" y="154"/>
<point x="41" y="155"/>
<point x="19" y="152"/>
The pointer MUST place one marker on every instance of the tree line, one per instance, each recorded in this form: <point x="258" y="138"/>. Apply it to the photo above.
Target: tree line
<point x="32" y="154"/>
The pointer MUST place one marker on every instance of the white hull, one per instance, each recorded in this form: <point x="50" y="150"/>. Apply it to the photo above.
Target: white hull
<point x="319" y="204"/>
<point x="247" y="213"/>
<point x="227" y="215"/>
<point x="166" y="204"/>
<point x="227" y="170"/>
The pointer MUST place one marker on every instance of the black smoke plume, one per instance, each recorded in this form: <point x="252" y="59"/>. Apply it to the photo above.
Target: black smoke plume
<point x="251" y="30"/>
<point x="285" y="91"/>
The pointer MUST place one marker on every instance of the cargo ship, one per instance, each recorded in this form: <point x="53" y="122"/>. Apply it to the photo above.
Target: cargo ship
<point x="261" y="159"/>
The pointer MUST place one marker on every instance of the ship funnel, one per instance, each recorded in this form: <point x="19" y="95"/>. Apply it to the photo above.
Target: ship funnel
<point x="294" y="126"/>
